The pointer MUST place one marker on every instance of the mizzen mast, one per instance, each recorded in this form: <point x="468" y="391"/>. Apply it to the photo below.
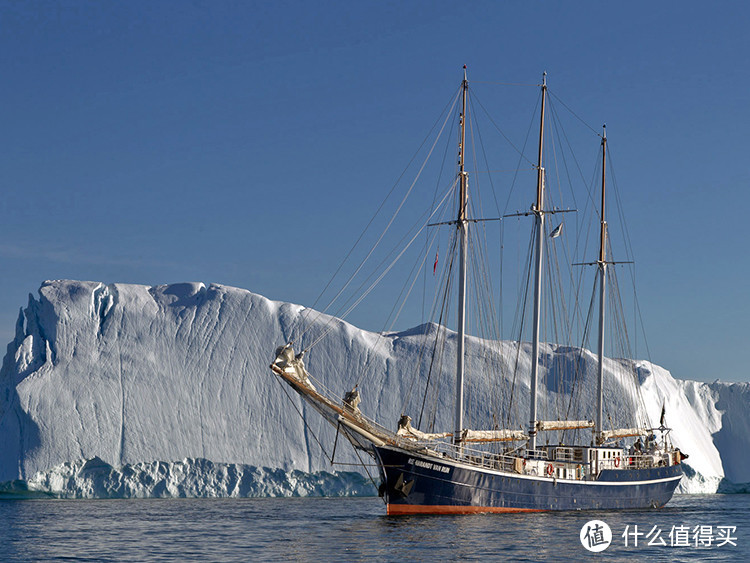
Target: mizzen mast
<point x="463" y="228"/>
<point x="538" y="210"/>
<point x="602" y="263"/>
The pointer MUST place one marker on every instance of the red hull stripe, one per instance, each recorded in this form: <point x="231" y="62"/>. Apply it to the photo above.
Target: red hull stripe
<point x="401" y="509"/>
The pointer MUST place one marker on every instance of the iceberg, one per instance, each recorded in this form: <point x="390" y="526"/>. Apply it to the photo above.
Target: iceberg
<point x="94" y="478"/>
<point x="131" y="390"/>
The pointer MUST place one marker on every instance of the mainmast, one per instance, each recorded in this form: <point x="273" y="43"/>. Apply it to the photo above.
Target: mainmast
<point x="463" y="229"/>
<point x="539" y="215"/>
<point x="602" y="263"/>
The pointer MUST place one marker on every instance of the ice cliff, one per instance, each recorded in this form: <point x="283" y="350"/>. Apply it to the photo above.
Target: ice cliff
<point x="129" y="390"/>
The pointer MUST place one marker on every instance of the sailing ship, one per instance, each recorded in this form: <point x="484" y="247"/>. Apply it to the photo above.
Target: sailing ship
<point x="454" y="471"/>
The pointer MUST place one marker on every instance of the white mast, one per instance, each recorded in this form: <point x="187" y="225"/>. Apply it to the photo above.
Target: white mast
<point x="602" y="263"/>
<point x="463" y="228"/>
<point x="539" y="214"/>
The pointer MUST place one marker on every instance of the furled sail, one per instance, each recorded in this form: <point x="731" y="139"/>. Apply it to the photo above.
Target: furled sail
<point x="542" y="425"/>
<point x="406" y="430"/>
<point x="493" y="435"/>
<point x="624" y="433"/>
<point x="293" y="365"/>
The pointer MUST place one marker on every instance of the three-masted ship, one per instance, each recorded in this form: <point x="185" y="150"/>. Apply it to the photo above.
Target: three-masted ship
<point x="451" y="472"/>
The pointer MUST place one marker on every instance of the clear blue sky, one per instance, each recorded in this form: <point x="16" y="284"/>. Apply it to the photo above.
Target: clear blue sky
<point x="158" y="142"/>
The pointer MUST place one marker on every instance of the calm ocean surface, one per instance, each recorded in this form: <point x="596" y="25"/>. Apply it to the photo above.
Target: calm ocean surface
<point x="351" y="529"/>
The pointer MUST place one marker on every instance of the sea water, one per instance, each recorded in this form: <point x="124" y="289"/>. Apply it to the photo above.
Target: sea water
<point x="690" y="527"/>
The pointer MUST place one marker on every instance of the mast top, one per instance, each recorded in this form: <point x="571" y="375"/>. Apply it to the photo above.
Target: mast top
<point x="604" y="131"/>
<point x="544" y="79"/>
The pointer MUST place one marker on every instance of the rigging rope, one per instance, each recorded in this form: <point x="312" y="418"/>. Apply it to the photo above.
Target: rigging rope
<point x="328" y="326"/>
<point x="573" y="113"/>
<point x="520" y="152"/>
<point x="305" y="319"/>
<point x="304" y="421"/>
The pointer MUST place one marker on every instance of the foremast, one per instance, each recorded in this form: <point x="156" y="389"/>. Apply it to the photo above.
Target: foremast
<point x="463" y="229"/>
<point x="538" y="210"/>
<point x="602" y="264"/>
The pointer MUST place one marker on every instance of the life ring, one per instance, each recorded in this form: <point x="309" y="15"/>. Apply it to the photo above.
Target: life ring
<point x="550" y="469"/>
<point x="617" y="462"/>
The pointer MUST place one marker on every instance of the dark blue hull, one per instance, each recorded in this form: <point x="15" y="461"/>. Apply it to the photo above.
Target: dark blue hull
<point x="416" y="484"/>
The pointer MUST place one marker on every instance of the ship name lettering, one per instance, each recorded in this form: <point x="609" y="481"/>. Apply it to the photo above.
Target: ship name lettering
<point x="428" y="465"/>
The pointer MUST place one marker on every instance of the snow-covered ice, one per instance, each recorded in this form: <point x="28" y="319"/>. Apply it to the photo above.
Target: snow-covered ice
<point x="130" y="390"/>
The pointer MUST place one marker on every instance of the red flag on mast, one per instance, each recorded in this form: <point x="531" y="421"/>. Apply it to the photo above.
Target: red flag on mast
<point x="434" y="266"/>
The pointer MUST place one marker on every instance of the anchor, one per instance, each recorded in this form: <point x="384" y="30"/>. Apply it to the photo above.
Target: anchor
<point x="402" y="487"/>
